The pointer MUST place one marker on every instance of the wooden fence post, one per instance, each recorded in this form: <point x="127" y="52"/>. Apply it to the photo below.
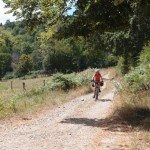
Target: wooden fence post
<point x="44" y="82"/>
<point x="11" y="85"/>
<point x="24" y="86"/>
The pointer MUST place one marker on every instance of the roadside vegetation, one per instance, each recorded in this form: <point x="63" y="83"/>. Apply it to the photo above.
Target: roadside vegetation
<point x="58" y="89"/>
<point x="70" y="43"/>
<point x="132" y="104"/>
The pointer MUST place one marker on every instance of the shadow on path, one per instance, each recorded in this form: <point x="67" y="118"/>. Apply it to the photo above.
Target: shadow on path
<point x="104" y="100"/>
<point x="105" y="124"/>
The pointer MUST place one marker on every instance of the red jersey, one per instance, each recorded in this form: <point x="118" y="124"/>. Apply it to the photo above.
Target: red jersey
<point x="97" y="76"/>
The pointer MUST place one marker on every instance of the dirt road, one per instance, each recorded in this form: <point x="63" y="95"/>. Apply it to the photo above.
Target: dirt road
<point x="75" y="125"/>
<point x="81" y="124"/>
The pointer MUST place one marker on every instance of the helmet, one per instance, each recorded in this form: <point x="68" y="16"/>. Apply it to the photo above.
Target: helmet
<point x="97" y="71"/>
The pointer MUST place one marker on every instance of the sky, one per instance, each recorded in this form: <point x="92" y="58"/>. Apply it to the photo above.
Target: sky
<point x="3" y="16"/>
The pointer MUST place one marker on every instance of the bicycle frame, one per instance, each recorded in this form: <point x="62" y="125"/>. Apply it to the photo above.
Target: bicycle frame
<point x="97" y="88"/>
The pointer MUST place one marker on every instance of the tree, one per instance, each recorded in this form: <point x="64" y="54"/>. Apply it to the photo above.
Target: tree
<point x="126" y="20"/>
<point x="6" y="41"/>
<point x="24" y="66"/>
<point x="5" y="63"/>
<point x="6" y="44"/>
<point x="9" y="24"/>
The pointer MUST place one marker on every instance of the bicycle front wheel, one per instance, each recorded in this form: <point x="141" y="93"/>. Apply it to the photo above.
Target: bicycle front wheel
<point x="96" y="93"/>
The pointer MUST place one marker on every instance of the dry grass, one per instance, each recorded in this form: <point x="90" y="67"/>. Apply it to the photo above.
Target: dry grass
<point x="134" y="109"/>
<point x="34" y="99"/>
<point x="27" y="103"/>
<point x="7" y="93"/>
<point x="140" y="140"/>
<point x="30" y="83"/>
<point x="48" y="100"/>
<point x="31" y="101"/>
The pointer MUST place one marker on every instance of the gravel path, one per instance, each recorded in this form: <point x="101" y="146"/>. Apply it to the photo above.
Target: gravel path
<point x="72" y="126"/>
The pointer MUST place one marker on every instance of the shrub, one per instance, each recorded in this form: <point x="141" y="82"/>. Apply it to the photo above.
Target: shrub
<point x="1" y="104"/>
<point x="9" y="75"/>
<point x="60" y="81"/>
<point x="8" y="105"/>
<point x="134" y="104"/>
<point x="5" y="63"/>
<point x="36" y="72"/>
<point x="36" y="91"/>
<point x="25" y="65"/>
<point x="66" y="82"/>
<point x="139" y="78"/>
<point x="2" y="87"/>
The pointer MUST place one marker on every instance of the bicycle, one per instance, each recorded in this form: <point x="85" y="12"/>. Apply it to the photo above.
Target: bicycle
<point x="97" y="86"/>
<point x="97" y="90"/>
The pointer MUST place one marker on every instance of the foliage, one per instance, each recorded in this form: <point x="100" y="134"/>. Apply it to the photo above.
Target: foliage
<point x="5" y="61"/>
<point x="9" y="75"/>
<point x="6" y="106"/>
<point x="36" y="72"/>
<point x="75" y="54"/>
<point x="66" y="82"/>
<point x="84" y="20"/>
<point x="59" y="81"/>
<point x="134" y="108"/>
<point x="91" y="39"/>
<point x="6" y="41"/>
<point x="35" y="91"/>
<point x="2" y="87"/>
<point x="120" y="68"/>
<point x="35" y="97"/>
<point x="139" y="78"/>
<point x="25" y="65"/>
<point x="133" y="104"/>
<point x="24" y="42"/>
<point x="53" y="10"/>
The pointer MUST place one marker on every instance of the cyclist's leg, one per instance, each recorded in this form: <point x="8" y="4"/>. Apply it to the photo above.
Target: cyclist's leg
<point x="99" y="87"/>
<point x="94" y="89"/>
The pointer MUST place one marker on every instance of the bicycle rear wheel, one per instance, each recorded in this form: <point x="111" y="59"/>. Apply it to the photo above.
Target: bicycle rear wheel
<point x="96" y="93"/>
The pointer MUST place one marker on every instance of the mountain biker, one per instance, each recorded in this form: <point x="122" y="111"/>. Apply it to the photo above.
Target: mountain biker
<point x="97" y="78"/>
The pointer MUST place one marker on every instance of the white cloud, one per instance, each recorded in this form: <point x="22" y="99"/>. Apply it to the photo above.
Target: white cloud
<point x="3" y="16"/>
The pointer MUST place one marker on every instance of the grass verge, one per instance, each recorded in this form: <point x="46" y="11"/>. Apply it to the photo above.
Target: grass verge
<point x="56" y="91"/>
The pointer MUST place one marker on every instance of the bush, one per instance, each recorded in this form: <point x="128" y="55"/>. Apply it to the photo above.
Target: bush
<point x="120" y="66"/>
<point x="2" y="87"/>
<point x="66" y="82"/>
<point x="36" y="72"/>
<point x="60" y="81"/>
<point x="34" y="92"/>
<point x="5" y="63"/>
<point x="9" y="75"/>
<point x="25" y="65"/>
<point x="8" y="105"/>
<point x="139" y="78"/>
<point x="134" y="104"/>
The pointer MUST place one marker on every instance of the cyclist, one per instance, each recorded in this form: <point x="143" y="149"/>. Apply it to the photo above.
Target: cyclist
<point x="97" y="78"/>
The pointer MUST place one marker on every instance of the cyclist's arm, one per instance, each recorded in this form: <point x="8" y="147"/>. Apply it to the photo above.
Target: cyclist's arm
<point x="93" y="77"/>
<point x="101" y="77"/>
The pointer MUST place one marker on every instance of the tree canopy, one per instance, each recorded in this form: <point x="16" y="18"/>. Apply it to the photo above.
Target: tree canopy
<point x="89" y="15"/>
<point x="97" y="33"/>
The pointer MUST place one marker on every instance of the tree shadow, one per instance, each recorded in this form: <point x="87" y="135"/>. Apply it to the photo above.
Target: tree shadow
<point x="110" y="124"/>
<point x="122" y="122"/>
<point x="138" y="117"/>
<point x="104" y="100"/>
